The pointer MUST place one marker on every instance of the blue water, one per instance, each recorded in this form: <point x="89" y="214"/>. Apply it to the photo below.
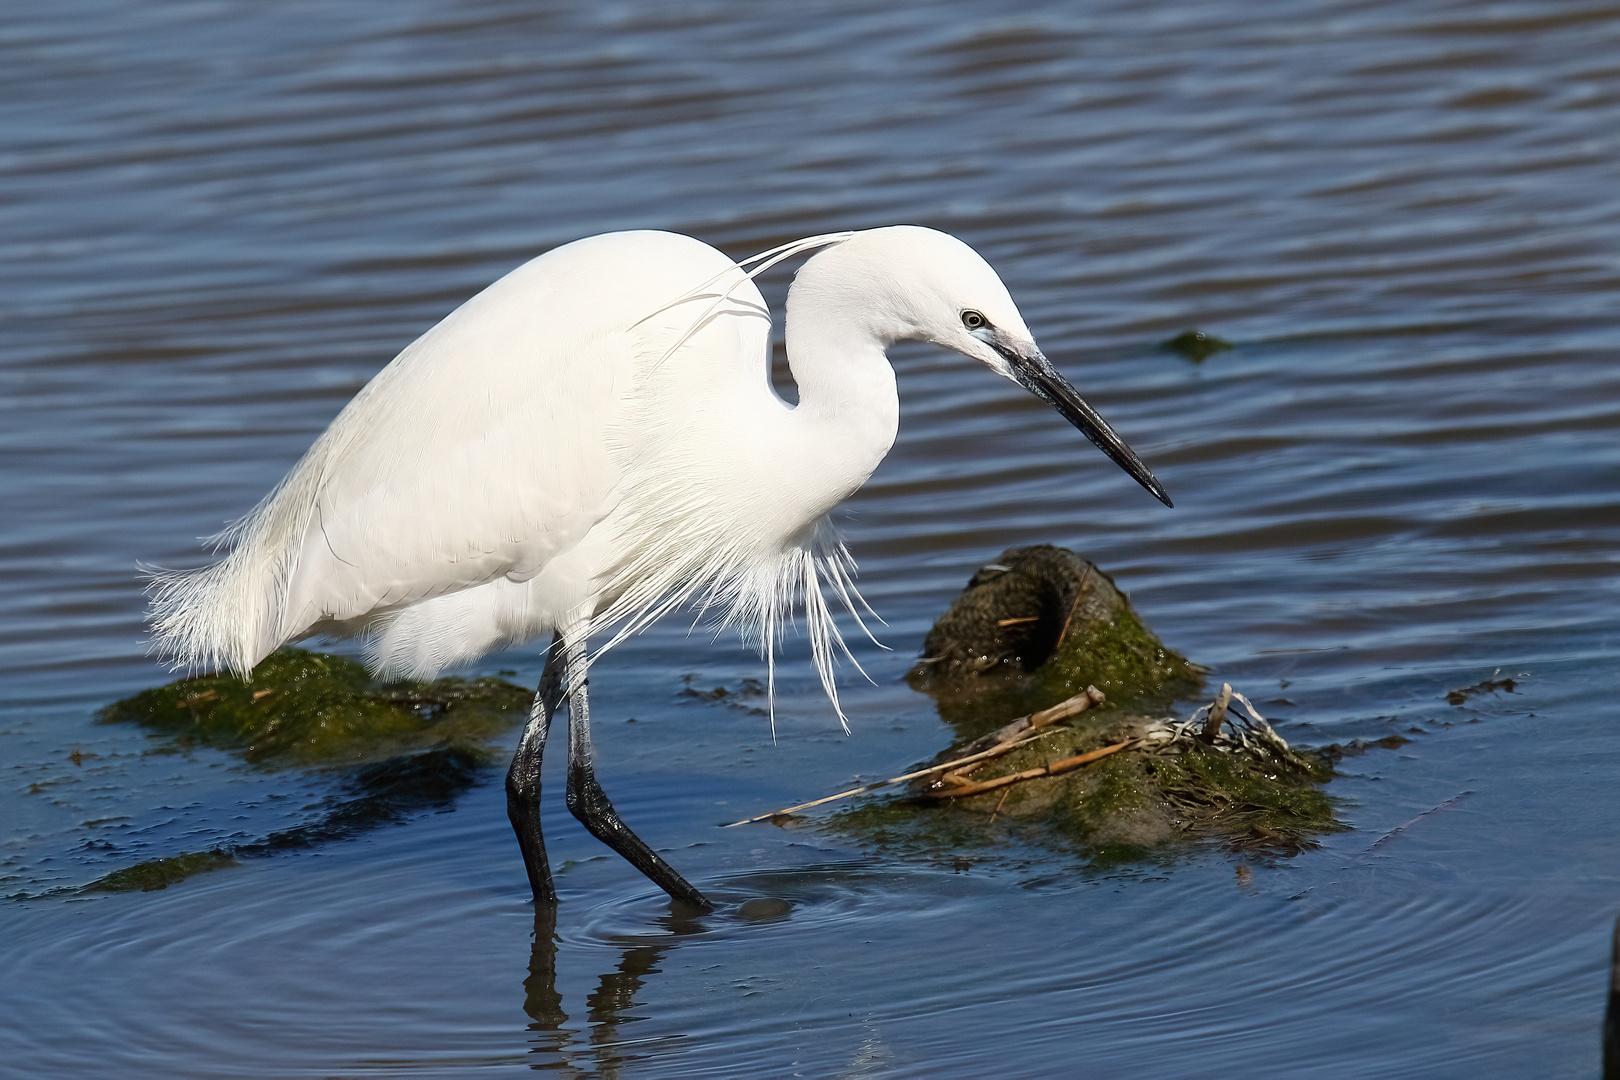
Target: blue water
<point x="217" y="220"/>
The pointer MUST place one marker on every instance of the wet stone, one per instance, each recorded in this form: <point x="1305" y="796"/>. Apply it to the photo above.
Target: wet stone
<point x="1196" y="345"/>
<point x="764" y="909"/>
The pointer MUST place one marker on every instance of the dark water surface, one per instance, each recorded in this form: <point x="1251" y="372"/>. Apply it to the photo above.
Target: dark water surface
<point x="219" y="219"/>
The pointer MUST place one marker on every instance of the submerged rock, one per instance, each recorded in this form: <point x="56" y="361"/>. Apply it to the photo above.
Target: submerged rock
<point x="155" y="874"/>
<point x="1196" y="345"/>
<point x="374" y="795"/>
<point x="394" y="748"/>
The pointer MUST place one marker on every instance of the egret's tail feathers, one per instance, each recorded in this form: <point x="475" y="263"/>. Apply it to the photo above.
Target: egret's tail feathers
<point x="235" y="613"/>
<point x="211" y="619"/>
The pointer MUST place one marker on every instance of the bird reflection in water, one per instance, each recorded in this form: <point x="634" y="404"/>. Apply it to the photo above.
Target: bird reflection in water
<point x="555" y="1044"/>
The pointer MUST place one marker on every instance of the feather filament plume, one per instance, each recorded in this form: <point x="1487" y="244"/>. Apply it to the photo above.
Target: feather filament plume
<point x="228" y="616"/>
<point x="755" y="594"/>
<point x="766" y="260"/>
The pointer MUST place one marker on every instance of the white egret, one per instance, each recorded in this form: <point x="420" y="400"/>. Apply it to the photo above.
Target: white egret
<point x="589" y="443"/>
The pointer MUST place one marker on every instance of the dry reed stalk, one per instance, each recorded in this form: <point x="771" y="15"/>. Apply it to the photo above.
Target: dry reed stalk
<point x="1217" y="712"/>
<point x="998" y="742"/>
<point x="1051" y="768"/>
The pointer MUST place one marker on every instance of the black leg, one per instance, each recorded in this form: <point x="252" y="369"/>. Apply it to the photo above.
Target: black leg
<point x="589" y="803"/>
<point x="523" y="778"/>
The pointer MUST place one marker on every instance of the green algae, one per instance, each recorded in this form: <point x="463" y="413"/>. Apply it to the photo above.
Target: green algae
<point x="393" y="748"/>
<point x="1036" y="626"/>
<point x="1122" y="658"/>
<point x="161" y="873"/>
<point x="302" y="708"/>
<point x="1196" y="345"/>
<point x="1244" y="803"/>
<point x="1127" y="808"/>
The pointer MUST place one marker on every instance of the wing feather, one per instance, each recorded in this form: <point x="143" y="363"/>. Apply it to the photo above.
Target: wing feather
<point x="487" y="448"/>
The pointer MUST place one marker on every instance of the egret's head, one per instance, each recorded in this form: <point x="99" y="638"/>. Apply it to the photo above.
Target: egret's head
<point x="906" y="282"/>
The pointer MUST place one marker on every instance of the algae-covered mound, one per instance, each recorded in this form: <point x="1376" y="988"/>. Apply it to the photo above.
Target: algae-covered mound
<point x="1116" y="787"/>
<point x="307" y="708"/>
<point x="393" y="748"/>
<point x="1040" y="624"/>
<point x="1111" y="779"/>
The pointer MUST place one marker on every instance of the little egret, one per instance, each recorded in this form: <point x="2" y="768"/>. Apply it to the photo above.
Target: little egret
<point x="588" y="444"/>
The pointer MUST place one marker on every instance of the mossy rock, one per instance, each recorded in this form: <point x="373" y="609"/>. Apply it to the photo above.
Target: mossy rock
<point x="1127" y="807"/>
<point x="394" y="748"/>
<point x="158" y="874"/>
<point x="1033" y="628"/>
<point x="302" y="708"/>
<point x="1038" y="625"/>
<point x="1128" y="804"/>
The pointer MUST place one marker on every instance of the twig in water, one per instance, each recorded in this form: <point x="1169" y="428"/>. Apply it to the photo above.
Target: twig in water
<point x="995" y="751"/>
<point x="1217" y="712"/>
<point x="1079" y="594"/>
<point x="993" y="745"/>
<point x="1045" y="718"/>
<point x="1061" y="711"/>
<point x="1405" y="825"/>
<point x="1052" y="768"/>
<point x="999" y="804"/>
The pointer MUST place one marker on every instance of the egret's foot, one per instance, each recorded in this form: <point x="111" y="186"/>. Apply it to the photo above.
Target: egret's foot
<point x="589" y="803"/>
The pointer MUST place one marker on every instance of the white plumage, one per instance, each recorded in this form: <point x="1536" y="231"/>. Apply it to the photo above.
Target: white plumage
<point x="526" y="461"/>
<point x="593" y="441"/>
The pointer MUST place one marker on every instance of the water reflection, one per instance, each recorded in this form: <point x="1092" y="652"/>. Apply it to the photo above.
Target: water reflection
<point x="607" y="1008"/>
<point x="540" y="997"/>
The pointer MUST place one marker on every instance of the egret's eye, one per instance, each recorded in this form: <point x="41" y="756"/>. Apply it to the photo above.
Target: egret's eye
<point x="973" y="320"/>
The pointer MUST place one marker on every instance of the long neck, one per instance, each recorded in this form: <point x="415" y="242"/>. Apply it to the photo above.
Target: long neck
<point x="849" y="408"/>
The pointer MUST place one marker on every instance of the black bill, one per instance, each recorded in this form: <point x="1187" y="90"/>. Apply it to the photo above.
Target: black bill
<point x="1036" y="374"/>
